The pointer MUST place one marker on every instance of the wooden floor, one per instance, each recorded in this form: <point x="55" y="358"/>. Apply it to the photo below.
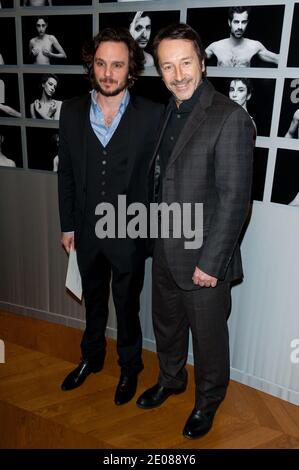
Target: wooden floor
<point x="35" y="413"/>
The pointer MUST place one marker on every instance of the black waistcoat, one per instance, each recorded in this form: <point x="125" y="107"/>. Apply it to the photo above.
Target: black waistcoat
<point x="106" y="168"/>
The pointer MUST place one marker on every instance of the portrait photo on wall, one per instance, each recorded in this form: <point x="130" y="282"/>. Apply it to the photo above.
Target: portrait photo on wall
<point x="260" y="160"/>
<point x="255" y="95"/>
<point x="8" y="49"/>
<point x="10" y="147"/>
<point x="42" y="148"/>
<point x="143" y="26"/>
<point x="55" y="39"/>
<point x="289" y="114"/>
<point x="45" y="92"/>
<point x="9" y="95"/>
<point x="293" y="58"/>
<point x="237" y="36"/>
<point x="285" y="188"/>
<point x="6" y="4"/>
<point x="54" y="3"/>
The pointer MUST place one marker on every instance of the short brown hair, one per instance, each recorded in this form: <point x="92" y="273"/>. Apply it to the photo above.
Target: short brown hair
<point x="178" y="31"/>
<point x="136" y="56"/>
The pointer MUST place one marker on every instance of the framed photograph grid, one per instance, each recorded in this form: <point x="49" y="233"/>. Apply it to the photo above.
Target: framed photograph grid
<point x="261" y="73"/>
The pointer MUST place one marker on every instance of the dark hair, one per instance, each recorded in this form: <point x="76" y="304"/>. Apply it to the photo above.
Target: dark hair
<point x="178" y="31"/>
<point x="233" y="10"/>
<point x="136" y="56"/>
<point x="45" y="18"/>
<point x="45" y="77"/>
<point x="246" y="81"/>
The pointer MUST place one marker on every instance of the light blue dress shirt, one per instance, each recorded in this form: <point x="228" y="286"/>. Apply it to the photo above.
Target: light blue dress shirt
<point x="103" y="132"/>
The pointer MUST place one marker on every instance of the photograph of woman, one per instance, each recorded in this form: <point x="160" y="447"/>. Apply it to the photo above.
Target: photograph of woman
<point x="46" y="107"/>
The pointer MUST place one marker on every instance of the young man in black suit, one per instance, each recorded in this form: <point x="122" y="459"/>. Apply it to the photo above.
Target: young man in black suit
<point x="106" y="141"/>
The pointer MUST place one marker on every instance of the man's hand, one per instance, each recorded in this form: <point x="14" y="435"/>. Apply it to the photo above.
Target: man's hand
<point x="68" y="241"/>
<point x="132" y="27"/>
<point x="202" y="279"/>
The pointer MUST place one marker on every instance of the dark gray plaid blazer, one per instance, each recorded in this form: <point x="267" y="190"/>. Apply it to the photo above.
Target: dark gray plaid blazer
<point x="211" y="163"/>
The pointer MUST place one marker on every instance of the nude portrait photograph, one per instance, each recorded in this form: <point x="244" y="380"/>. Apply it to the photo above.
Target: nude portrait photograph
<point x="237" y="36"/>
<point x="54" y="39"/>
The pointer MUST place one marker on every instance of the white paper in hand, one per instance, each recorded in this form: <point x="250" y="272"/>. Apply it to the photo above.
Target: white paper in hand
<point x="73" y="279"/>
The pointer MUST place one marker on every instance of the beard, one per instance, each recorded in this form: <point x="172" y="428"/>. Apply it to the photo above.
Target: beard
<point x="114" y="92"/>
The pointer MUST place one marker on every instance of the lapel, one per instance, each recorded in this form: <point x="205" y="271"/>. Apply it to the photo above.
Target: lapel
<point x="167" y="116"/>
<point x="84" y="134"/>
<point x="132" y="128"/>
<point x="197" y="116"/>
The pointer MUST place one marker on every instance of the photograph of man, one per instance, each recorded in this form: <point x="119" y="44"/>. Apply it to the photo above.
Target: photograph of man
<point x="240" y="91"/>
<point x="44" y="47"/>
<point x="37" y="3"/>
<point x="293" y="131"/>
<point x="143" y="25"/>
<point x="46" y="107"/>
<point x="5" y="161"/>
<point x="140" y="29"/>
<point x="205" y="155"/>
<point x="237" y="50"/>
<point x="106" y="141"/>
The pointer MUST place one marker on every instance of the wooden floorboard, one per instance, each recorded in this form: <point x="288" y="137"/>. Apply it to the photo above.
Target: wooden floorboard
<point x="35" y="413"/>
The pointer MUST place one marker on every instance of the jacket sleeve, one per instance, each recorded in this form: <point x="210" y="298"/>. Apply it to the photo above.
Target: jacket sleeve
<point x="66" y="182"/>
<point x="233" y="177"/>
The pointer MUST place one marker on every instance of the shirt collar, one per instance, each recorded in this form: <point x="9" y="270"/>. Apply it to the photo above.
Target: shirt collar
<point x="122" y="107"/>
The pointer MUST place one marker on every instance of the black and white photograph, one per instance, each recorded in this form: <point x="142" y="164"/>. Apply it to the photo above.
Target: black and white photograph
<point x="6" y="4"/>
<point x="10" y="147"/>
<point x="293" y="59"/>
<point x="285" y="188"/>
<point x="260" y="160"/>
<point x="44" y="93"/>
<point x="55" y="3"/>
<point x="9" y="96"/>
<point x="239" y="36"/>
<point x="8" y="50"/>
<point x="143" y="26"/>
<point x="289" y="115"/>
<point x="55" y="39"/>
<point x="42" y="148"/>
<point x="255" y="95"/>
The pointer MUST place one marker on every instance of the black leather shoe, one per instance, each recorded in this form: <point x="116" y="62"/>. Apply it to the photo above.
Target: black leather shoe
<point x="198" y="424"/>
<point x="78" y="375"/>
<point x="125" y="389"/>
<point x="156" y="395"/>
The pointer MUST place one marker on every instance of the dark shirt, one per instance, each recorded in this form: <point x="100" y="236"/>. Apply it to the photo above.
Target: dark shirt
<point x="176" y="121"/>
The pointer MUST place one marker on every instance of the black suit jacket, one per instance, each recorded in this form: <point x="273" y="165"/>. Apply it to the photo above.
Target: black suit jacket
<point x="144" y="120"/>
<point x="211" y="163"/>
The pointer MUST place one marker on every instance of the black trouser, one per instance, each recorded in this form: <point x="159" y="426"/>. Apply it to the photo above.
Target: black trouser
<point x="96" y="269"/>
<point x="205" y="312"/>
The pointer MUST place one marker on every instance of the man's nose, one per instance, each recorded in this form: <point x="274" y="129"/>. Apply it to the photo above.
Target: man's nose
<point x="178" y="74"/>
<point x="107" y="71"/>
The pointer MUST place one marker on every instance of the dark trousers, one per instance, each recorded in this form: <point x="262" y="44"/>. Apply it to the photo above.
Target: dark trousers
<point x="96" y="270"/>
<point x="205" y="312"/>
